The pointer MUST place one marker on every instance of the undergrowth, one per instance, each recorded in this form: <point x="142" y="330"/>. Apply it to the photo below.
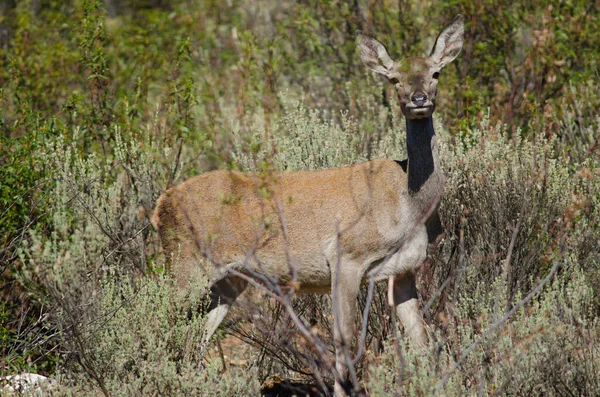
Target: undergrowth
<point x="106" y="104"/>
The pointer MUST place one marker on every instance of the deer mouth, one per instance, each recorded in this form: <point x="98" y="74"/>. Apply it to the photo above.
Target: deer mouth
<point x="420" y="111"/>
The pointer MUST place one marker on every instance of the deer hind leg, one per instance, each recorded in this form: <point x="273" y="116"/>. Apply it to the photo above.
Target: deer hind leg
<point x="407" y="309"/>
<point x="345" y="288"/>
<point x="222" y="296"/>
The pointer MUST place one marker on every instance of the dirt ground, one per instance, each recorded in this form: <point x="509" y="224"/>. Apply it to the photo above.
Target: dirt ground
<point x="235" y="352"/>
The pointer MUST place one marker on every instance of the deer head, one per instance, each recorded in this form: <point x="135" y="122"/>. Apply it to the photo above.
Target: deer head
<point x="415" y="78"/>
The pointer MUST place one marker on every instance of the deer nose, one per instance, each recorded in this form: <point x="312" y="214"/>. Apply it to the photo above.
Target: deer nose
<point x="419" y="99"/>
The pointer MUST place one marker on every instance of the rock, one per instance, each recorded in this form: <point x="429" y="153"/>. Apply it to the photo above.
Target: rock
<point x="31" y="384"/>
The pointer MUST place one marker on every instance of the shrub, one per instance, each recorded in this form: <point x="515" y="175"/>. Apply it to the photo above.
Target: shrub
<point x="548" y="347"/>
<point x="144" y="342"/>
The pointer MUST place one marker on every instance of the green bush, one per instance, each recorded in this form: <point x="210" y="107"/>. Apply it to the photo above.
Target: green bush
<point x="547" y="348"/>
<point x="500" y="189"/>
<point x="144" y="343"/>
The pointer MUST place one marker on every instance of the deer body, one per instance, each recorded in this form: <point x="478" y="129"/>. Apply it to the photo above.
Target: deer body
<point x="367" y="203"/>
<point x="324" y="230"/>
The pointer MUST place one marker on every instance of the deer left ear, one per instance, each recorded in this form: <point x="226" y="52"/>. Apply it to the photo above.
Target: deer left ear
<point x="449" y="43"/>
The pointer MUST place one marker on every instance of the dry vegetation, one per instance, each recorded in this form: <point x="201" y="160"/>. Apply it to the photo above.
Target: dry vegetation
<point x="104" y="104"/>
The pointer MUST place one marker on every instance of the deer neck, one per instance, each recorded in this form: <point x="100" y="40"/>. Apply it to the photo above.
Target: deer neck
<point x="425" y="180"/>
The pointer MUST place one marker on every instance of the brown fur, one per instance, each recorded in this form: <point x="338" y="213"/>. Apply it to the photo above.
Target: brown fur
<point x="227" y="217"/>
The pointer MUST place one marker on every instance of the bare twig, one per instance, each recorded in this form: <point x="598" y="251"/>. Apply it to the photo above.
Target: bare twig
<point x="365" y="321"/>
<point x="221" y="355"/>
<point x="507" y="263"/>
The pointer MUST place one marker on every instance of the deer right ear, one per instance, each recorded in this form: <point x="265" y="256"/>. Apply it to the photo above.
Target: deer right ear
<point x="449" y="43"/>
<point x="374" y="54"/>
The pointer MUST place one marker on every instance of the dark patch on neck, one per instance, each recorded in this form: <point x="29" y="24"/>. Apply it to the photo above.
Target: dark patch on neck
<point x="420" y="156"/>
<point x="403" y="164"/>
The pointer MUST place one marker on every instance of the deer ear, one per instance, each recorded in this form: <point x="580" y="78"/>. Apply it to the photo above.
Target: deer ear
<point x="449" y="43"/>
<point x="374" y="54"/>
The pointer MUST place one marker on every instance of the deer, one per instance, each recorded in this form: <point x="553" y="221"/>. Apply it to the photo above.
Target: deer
<point x="327" y="230"/>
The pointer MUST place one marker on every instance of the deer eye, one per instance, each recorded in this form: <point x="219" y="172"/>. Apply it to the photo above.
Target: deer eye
<point x="436" y="75"/>
<point x="394" y="80"/>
